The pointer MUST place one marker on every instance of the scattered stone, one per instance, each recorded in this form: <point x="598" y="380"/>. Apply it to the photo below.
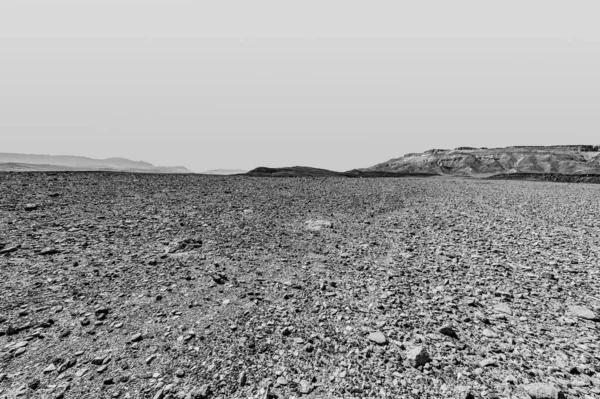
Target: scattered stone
<point x="543" y="391"/>
<point x="583" y="312"/>
<point x="317" y="225"/>
<point x="448" y="331"/>
<point x="31" y="207"/>
<point x="488" y="362"/>
<point x="50" y="368"/>
<point x="136" y="337"/>
<point x="418" y="356"/>
<point x="378" y="337"/>
<point x="503" y="308"/>
<point x="242" y="379"/>
<point x="48" y="251"/>
<point x="10" y="249"/>
<point x="281" y="381"/>
<point x="203" y="392"/>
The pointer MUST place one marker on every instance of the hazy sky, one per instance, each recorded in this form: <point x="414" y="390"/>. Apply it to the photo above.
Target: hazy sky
<point x="326" y="83"/>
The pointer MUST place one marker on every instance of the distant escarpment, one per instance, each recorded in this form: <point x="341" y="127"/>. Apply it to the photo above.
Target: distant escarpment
<point x="467" y="161"/>
<point x="304" y="171"/>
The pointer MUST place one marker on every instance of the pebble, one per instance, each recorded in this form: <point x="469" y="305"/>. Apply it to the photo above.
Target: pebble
<point x="418" y="356"/>
<point x="203" y="392"/>
<point x="102" y="368"/>
<point x="488" y="362"/>
<point x="378" y="337"/>
<point x="489" y="333"/>
<point x="543" y="391"/>
<point x="242" y="379"/>
<point x="448" y="331"/>
<point x="503" y="308"/>
<point x="50" y="368"/>
<point x="136" y="337"/>
<point x="282" y="381"/>
<point x="583" y="313"/>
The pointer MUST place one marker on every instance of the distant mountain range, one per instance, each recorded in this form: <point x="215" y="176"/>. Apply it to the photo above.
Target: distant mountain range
<point x="461" y="161"/>
<point x="33" y="162"/>
<point x="468" y="161"/>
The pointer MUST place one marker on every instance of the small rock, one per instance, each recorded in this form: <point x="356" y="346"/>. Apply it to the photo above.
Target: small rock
<point x="489" y="333"/>
<point x="242" y="379"/>
<point x="101" y="369"/>
<point x="11" y="249"/>
<point x="31" y="207"/>
<point x="503" y="308"/>
<point x="203" y="392"/>
<point x="20" y="351"/>
<point x="98" y="360"/>
<point x="50" y="368"/>
<point x="48" y="251"/>
<point x="305" y="387"/>
<point x="10" y="330"/>
<point x="448" y="331"/>
<point x="583" y="313"/>
<point x="159" y="395"/>
<point x="286" y="331"/>
<point x="488" y="362"/>
<point x="281" y="381"/>
<point x="317" y="225"/>
<point x="180" y="373"/>
<point x="136" y="337"/>
<point x="543" y="391"/>
<point x="418" y="356"/>
<point x="378" y="338"/>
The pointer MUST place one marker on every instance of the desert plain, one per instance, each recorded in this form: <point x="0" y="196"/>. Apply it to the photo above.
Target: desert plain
<point x="117" y="285"/>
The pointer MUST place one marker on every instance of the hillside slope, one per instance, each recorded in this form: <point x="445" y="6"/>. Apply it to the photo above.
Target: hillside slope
<point x="577" y="159"/>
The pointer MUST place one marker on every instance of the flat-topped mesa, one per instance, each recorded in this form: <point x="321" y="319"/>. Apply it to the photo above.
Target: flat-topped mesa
<point x="470" y="161"/>
<point x="436" y="151"/>
<point x="579" y="148"/>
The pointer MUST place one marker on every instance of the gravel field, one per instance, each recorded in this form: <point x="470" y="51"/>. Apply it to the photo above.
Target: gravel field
<point x="188" y="286"/>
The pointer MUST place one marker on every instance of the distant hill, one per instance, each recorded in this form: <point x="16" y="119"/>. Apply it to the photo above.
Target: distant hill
<point x="224" y="172"/>
<point x="33" y="162"/>
<point x="305" y="171"/>
<point x="572" y="159"/>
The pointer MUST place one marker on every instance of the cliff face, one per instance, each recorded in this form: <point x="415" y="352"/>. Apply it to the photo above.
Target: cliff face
<point x="576" y="159"/>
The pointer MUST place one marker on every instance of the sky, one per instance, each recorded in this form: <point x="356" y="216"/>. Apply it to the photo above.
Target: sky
<point x="336" y="84"/>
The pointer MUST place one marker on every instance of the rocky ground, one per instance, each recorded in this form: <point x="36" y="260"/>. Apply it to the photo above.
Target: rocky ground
<point x="555" y="177"/>
<point x="183" y="286"/>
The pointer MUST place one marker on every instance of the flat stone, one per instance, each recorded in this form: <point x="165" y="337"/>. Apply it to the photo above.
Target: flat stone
<point x="583" y="313"/>
<point x="543" y="391"/>
<point x="317" y="225"/>
<point x="136" y="337"/>
<point x="50" y="368"/>
<point x="489" y="333"/>
<point x="378" y="337"/>
<point x="488" y="362"/>
<point x="503" y="308"/>
<point x="282" y="381"/>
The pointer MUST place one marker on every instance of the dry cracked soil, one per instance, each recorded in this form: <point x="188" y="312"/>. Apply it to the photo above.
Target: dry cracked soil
<point x="188" y="286"/>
